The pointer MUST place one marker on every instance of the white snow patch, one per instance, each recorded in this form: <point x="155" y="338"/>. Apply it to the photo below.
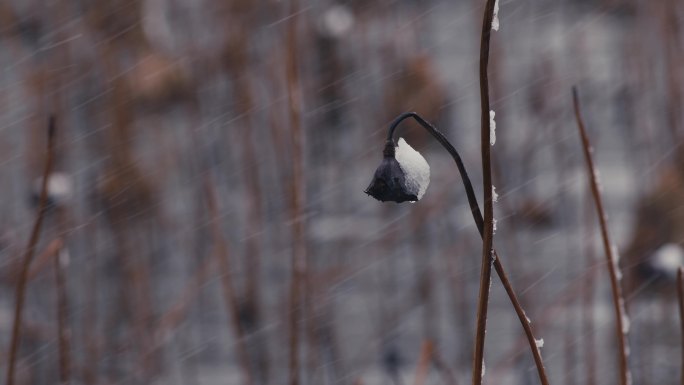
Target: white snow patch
<point x="667" y="259"/>
<point x="337" y="20"/>
<point x="495" y="20"/>
<point x="492" y="127"/>
<point x="59" y="187"/>
<point x="597" y="178"/>
<point x="616" y="253"/>
<point x="494" y="224"/>
<point x="495" y="196"/>
<point x="539" y="342"/>
<point x="415" y="168"/>
<point x="625" y="323"/>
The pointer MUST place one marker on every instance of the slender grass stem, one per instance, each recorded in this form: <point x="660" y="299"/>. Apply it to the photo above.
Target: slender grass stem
<point x="680" y="298"/>
<point x="222" y="254"/>
<point x="611" y="257"/>
<point x="588" y="296"/>
<point x="299" y="261"/>
<point x="426" y="351"/>
<point x="28" y="254"/>
<point x="63" y="336"/>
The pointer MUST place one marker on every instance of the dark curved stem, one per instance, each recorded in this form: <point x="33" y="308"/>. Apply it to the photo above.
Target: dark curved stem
<point x="472" y="200"/>
<point x="28" y="254"/>
<point x="479" y="222"/>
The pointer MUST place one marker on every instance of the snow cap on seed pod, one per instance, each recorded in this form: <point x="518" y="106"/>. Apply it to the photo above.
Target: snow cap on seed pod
<point x="666" y="260"/>
<point x="60" y="189"/>
<point x="403" y="175"/>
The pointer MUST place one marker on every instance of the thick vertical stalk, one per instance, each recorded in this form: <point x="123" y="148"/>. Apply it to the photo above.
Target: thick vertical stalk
<point x="299" y="258"/>
<point x="28" y="255"/>
<point x="680" y="297"/>
<point x="611" y="257"/>
<point x="487" y="242"/>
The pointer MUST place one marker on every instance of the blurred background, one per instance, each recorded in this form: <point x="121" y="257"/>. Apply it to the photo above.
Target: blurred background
<point x="188" y="183"/>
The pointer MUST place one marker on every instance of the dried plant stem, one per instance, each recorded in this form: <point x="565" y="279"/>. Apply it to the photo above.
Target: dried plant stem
<point x="671" y="32"/>
<point x="64" y="340"/>
<point x="480" y="223"/>
<point x="488" y="236"/>
<point x="588" y="299"/>
<point x="44" y="258"/>
<point x="90" y="320"/>
<point x="680" y="297"/>
<point x="28" y="254"/>
<point x="426" y="351"/>
<point x="613" y="268"/>
<point x="299" y="258"/>
<point x="239" y="67"/>
<point x="222" y="254"/>
<point x="524" y="321"/>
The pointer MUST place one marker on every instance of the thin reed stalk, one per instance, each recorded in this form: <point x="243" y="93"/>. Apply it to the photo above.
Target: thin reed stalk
<point x="588" y="300"/>
<point x="299" y="259"/>
<point x="238" y="66"/>
<point x="222" y="254"/>
<point x="20" y="293"/>
<point x="63" y="337"/>
<point x="90" y="316"/>
<point x="610" y="250"/>
<point x="488" y="235"/>
<point x="424" y="362"/>
<point x="44" y="258"/>
<point x="680" y="299"/>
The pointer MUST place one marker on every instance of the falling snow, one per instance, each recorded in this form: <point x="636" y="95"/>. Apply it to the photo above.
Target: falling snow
<point x="163" y="104"/>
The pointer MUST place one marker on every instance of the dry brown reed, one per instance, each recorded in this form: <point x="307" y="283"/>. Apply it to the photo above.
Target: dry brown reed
<point x="20" y="293"/>
<point x="611" y="258"/>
